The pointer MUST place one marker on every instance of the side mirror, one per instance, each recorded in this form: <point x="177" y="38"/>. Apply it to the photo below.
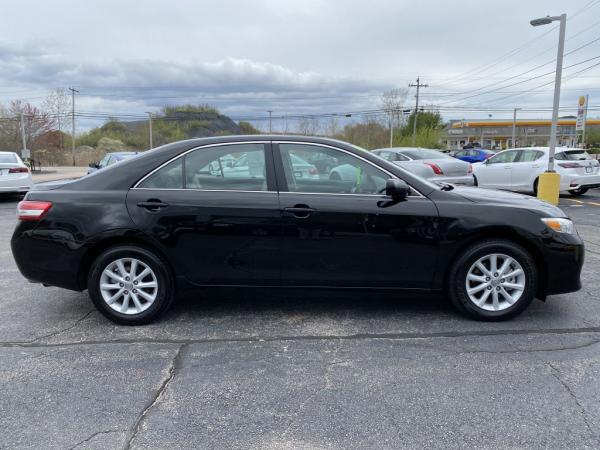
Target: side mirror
<point x="95" y="165"/>
<point x="396" y="189"/>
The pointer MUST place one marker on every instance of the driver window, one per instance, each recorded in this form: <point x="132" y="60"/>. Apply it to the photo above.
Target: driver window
<point x="504" y="157"/>
<point x="350" y="175"/>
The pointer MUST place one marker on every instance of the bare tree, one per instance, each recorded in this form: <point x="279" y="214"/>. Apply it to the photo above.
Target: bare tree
<point x="309" y="126"/>
<point x="392" y="102"/>
<point x="57" y="105"/>
<point x="36" y="124"/>
<point x="332" y="127"/>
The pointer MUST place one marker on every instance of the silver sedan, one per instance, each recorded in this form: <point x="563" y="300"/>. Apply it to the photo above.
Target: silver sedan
<point x="430" y="164"/>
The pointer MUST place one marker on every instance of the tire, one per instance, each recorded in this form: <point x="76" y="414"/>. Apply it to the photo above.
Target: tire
<point x="535" y="187"/>
<point x="465" y="264"/>
<point x="475" y="182"/>
<point x="335" y="176"/>
<point x="578" y="192"/>
<point x="158" y="284"/>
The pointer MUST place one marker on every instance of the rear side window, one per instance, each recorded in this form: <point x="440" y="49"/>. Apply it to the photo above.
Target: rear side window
<point x="8" y="158"/>
<point x="167" y="177"/>
<point x="224" y="167"/>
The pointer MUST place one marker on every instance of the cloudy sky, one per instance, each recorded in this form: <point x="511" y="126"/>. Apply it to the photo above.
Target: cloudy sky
<point x="296" y="56"/>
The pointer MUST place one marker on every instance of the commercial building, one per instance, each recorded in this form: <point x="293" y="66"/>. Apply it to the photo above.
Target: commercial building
<point x="497" y="133"/>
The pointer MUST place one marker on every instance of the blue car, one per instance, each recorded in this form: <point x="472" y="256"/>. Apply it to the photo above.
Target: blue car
<point x="473" y="155"/>
<point x="109" y="159"/>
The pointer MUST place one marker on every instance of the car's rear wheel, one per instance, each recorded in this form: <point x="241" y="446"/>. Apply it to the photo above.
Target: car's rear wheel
<point x="130" y="285"/>
<point x="475" y="182"/>
<point x="493" y="280"/>
<point x="578" y="192"/>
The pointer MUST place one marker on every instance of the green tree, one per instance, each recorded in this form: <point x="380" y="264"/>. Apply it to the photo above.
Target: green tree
<point x="248" y="128"/>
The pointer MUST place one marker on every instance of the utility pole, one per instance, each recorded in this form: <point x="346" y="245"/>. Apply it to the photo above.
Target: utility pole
<point x="24" y="151"/>
<point x="150" y="129"/>
<point x="418" y="86"/>
<point x="270" y="121"/>
<point x="514" y="127"/>
<point x="391" y="129"/>
<point x="73" y="123"/>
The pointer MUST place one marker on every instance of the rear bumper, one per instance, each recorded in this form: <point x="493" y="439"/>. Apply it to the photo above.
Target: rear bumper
<point x="16" y="183"/>
<point x="42" y="259"/>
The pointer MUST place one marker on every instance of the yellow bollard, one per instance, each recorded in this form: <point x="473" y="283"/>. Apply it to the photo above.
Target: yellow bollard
<point x="548" y="187"/>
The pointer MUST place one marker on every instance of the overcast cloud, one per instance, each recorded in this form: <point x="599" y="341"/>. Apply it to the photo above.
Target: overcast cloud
<point x="292" y="57"/>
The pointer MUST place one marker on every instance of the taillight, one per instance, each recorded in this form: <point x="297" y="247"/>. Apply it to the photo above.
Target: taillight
<point x="18" y="170"/>
<point x="436" y="168"/>
<point x="570" y="165"/>
<point x="470" y="169"/>
<point x="313" y="171"/>
<point x="489" y="155"/>
<point x="32" y="210"/>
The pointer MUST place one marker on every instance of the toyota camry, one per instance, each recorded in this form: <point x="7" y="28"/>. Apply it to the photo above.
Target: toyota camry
<point x="177" y="219"/>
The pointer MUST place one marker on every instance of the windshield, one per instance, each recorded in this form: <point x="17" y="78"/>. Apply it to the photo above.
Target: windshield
<point x="573" y="155"/>
<point x="8" y="158"/>
<point x="424" y="154"/>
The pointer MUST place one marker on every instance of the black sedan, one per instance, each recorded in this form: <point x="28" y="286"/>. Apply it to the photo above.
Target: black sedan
<point x="182" y="217"/>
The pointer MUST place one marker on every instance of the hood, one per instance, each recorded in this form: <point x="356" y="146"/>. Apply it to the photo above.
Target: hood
<point x="491" y="196"/>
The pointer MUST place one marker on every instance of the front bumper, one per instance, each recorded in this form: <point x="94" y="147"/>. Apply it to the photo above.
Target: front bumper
<point x="584" y="181"/>
<point x="563" y="257"/>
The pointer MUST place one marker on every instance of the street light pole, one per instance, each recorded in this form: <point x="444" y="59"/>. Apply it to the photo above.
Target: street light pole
<point x="73" y="91"/>
<point x="270" y="121"/>
<point x="514" y="127"/>
<point x="150" y="130"/>
<point x="549" y="182"/>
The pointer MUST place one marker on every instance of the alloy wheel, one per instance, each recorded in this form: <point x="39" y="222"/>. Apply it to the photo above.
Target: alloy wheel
<point x="495" y="282"/>
<point x="129" y="286"/>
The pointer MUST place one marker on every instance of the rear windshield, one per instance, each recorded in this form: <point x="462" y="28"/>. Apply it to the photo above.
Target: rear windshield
<point x="573" y="155"/>
<point x="424" y="154"/>
<point x="8" y="158"/>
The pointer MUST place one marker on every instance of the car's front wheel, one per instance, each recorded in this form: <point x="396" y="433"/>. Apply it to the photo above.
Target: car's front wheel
<point x="130" y="285"/>
<point x="493" y="280"/>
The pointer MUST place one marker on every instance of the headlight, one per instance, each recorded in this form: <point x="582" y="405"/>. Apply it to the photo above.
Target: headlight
<point x="560" y="225"/>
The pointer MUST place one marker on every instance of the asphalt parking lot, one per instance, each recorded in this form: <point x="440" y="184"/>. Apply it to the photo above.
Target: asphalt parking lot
<point x="271" y="370"/>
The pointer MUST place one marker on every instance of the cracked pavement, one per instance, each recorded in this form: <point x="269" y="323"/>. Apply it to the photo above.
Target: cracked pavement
<point x="273" y="370"/>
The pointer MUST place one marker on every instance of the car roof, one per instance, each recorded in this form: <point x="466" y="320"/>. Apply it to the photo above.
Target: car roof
<point x="126" y="173"/>
<point x="9" y="153"/>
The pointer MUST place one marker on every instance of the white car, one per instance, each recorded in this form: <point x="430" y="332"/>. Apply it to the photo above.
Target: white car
<point x="428" y="163"/>
<point x="15" y="177"/>
<point x="518" y="170"/>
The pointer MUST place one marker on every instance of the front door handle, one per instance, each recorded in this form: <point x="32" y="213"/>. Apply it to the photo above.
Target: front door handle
<point x="299" y="211"/>
<point x="152" y="204"/>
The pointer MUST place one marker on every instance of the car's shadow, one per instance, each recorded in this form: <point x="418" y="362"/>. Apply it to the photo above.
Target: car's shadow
<point x="217" y="303"/>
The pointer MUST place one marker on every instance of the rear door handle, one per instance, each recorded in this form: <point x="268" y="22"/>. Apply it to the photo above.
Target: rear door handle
<point x="299" y="211"/>
<point x="152" y="205"/>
